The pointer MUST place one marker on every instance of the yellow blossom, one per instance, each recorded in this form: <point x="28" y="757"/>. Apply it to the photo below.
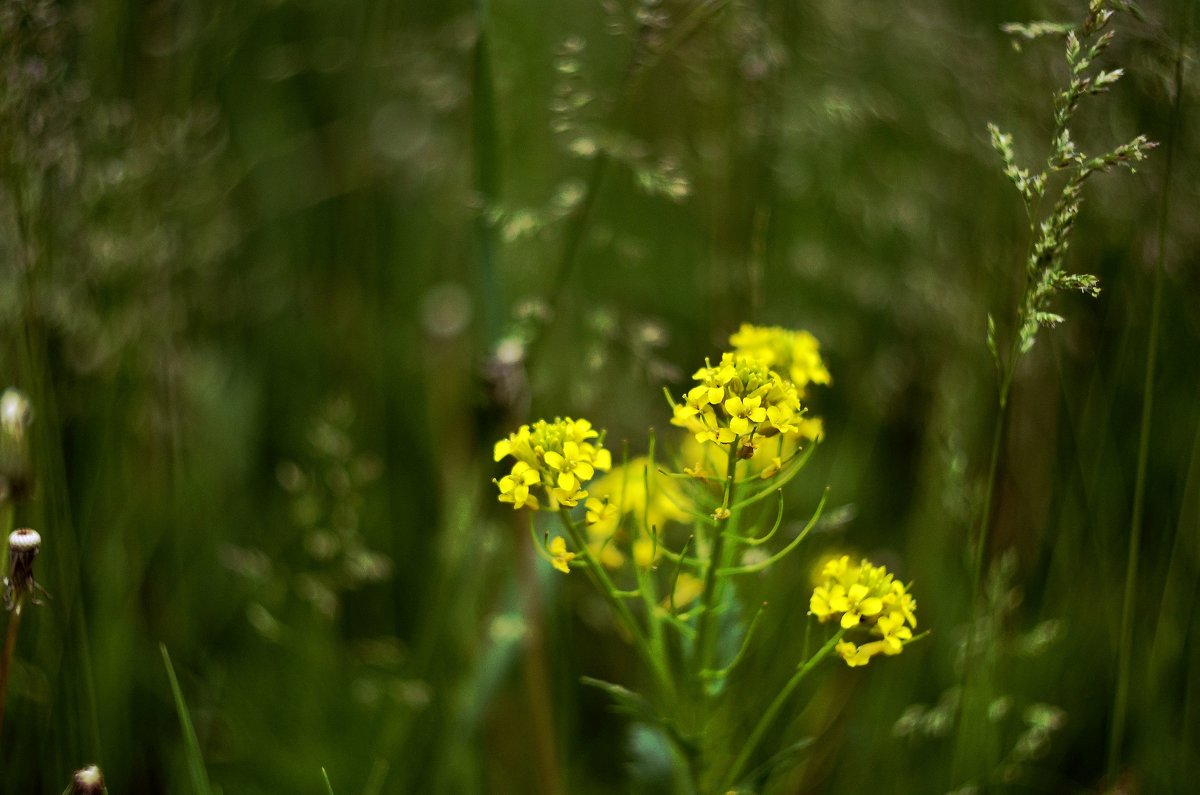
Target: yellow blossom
<point x="858" y="655"/>
<point x="688" y="588"/>
<point x="795" y="354"/>
<point x="894" y="632"/>
<point x="738" y="397"/>
<point x="862" y="596"/>
<point x="556" y="459"/>
<point x="560" y="558"/>
<point x="621" y="493"/>
<point x="514" y="487"/>
<point x="645" y="551"/>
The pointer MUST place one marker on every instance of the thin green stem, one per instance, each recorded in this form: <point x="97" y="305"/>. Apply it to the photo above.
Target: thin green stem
<point x="762" y="565"/>
<point x="985" y="518"/>
<point x="704" y="632"/>
<point x="768" y="717"/>
<point x="14" y="623"/>
<point x="10" y="644"/>
<point x="607" y="589"/>
<point x="645" y="581"/>
<point x="487" y="176"/>
<point x="1129" y="598"/>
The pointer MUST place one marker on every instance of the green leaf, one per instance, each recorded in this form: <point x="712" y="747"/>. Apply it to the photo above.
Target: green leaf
<point x="195" y="760"/>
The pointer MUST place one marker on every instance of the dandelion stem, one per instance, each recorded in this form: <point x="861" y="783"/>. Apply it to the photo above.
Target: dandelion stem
<point x="781" y="698"/>
<point x="10" y="644"/>
<point x="1128" y="601"/>
<point x="14" y="623"/>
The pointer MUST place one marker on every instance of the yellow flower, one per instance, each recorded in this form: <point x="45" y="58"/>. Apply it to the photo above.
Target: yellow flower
<point x="624" y="491"/>
<point x="894" y="632"/>
<point x="795" y="354"/>
<point x="572" y="465"/>
<point x="739" y="397"/>
<point x="858" y="655"/>
<point x="599" y="510"/>
<point x="744" y="412"/>
<point x="558" y="457"/>
<point x="860" y="604"/>
<point x="560" y="558"/>
<point x="826" y="601"/>
<point x="645" y="552"/>
<point x="864" y="597"/>
<point x="688" y="588"/>
<point x="514" y="487"/>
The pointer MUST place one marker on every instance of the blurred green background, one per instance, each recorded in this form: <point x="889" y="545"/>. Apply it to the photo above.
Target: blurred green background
<point x="276" y="275"/>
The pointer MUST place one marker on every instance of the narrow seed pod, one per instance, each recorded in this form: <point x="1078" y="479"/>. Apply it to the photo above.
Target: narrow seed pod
<point x="88" y="781"/>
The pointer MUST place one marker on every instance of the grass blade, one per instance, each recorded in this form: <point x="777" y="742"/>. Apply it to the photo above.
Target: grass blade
<point x="199" y="775"/>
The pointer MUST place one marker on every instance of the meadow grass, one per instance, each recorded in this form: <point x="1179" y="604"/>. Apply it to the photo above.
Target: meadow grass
<point x="274" y="279"/>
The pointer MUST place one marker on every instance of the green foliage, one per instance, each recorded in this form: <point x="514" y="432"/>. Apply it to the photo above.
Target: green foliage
<point x="191" y="744"/>
<point x="222" y="223"/>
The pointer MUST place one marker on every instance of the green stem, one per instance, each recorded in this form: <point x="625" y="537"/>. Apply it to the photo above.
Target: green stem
<point x="645" y="581"/>
<point x="14" y="623"/>
<point x="1128" y="601"/>
<point x="487" y="177"/>
<point x="606" y="587"/>
<point x="704" y="632"/>
<point x="985" y="518"/>
<point x="10" y="644"/>
<point x="768" y="717"/>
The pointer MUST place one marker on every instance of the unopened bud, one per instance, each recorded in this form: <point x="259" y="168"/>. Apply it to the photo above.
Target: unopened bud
<point x="88" y="781"/>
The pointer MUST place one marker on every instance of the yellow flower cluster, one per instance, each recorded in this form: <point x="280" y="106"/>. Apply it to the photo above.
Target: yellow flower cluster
<point x="556" y="458"/>
<point x="622" y="492"/>
<point x="796" y="354"/>
<point x="740" y="397"/>
<point x="868" y="597"/>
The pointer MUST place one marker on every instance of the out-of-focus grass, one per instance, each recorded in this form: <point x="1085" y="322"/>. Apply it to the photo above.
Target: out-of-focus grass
<point x="232" y="215"/>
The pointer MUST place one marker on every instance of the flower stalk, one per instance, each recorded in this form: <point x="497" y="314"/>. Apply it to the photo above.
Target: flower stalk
<point x="23" y="547"/>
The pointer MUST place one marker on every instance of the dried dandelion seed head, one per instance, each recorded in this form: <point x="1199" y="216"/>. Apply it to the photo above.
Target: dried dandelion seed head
<point x="23" y="546"/>
<point x="88" y="781"/>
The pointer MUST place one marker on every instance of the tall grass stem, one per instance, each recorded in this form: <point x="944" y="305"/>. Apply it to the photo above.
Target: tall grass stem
<point x="1129" y="598"/>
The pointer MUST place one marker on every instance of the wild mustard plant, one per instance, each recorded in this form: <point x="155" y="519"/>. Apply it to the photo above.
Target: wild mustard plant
<point x="624" y="530"/>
